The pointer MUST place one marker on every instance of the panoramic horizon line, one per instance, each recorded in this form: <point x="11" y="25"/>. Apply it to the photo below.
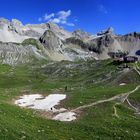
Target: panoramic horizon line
<point x="10" y="20"/>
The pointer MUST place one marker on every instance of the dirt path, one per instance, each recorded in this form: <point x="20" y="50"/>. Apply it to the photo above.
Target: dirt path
<point x="137" y="66"/>
<point x="115" y="110"/>
<point x="136" y="109"/>
<point x="137" y="69"/>
<point x="122" y="97"/>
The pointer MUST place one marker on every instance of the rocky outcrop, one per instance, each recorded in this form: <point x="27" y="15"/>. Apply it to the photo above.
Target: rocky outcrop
<point x="53" y="46"/>
<point x="60" y="49"/>
<point x="14" y="53"/>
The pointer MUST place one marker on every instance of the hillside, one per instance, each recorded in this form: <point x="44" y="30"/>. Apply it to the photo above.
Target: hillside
<point x="87" y="82"/>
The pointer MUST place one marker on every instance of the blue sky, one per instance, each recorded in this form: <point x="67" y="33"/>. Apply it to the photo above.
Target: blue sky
<point x="89" y="15"/>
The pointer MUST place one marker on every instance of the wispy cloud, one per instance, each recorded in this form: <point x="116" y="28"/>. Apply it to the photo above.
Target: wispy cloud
<point x="102" y="9"/>
<point x="48" y="17"/>
<point x="60" y="17"/>
<point x="64" y="14"/>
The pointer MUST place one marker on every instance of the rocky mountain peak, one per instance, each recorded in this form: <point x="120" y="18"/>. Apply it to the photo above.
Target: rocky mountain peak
<point x="80" y="34"/>
<point x="52" y="26"/>
<point x="16" y="23"/>
<point x="134" y="34"/>
<point x="110" y="30"/>
<point x="4" y="21"/>
<point x="49" y="39"/>
<point x="59" y="31"/>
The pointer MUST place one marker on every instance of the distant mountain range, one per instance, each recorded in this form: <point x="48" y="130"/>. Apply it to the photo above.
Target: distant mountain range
<point x="20" y="43"/>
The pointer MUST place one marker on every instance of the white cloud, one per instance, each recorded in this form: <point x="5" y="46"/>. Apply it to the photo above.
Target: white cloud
<point x="102" y="9"/>
<point x="48" y="17"/>
<point x="64" y="14"/>
<point x="55" y="20"/>
<point x="70" y="24"/>
<point x="60" y="17"/>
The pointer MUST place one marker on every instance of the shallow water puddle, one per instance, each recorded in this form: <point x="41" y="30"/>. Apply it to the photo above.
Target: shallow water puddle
<point x="48" y="103"/>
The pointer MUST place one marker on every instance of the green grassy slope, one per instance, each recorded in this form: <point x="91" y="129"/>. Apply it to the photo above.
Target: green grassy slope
<point x="87" y="82"/>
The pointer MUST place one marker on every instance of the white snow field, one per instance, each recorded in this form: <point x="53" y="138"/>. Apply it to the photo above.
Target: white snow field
<point x="65" y="117"/>
<point x="37" y="101"/>
<point x="48" y="103"/>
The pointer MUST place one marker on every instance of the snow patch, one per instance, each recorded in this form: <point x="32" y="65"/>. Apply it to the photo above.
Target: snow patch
<point x="37" y="101"/>
<point x="122" y="84"/>
<point x="65" y="117"/>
